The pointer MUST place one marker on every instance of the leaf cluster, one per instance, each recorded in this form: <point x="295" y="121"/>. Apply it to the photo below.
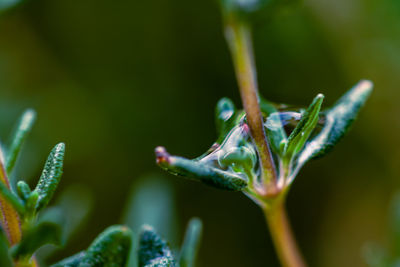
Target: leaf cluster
<point x="232" y="162"/>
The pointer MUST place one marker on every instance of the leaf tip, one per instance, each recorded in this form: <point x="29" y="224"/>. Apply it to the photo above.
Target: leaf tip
<point x="365" y="85"/>
<point x="29" y="115"/>
<point x="60" y="147"/>
<point x="162" y="156"/>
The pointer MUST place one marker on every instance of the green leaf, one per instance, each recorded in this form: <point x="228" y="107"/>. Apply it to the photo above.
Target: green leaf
<point x="275" y="132"/>
<point x="338" y="121"/>
<point x="72" y="261"/>
<point x="199" y="171"/>
<point x="161" y="262"/>
<point x="244" y="157"/>
<point x="19" y="136"/>
<point x="304" y="128"/>
<point x="5" y="259"/>
<point x="11" y="198"/>
<point x="110" y="249"/>
<point x="23" y="190"/>
<point x="45" y="232"/>
<point x="51" y="176"/>
<point x="191" y="243"/>
<point x="153" y="251"/>
<point x="151" y="201"/>
<point x="241" y="6"/>
<point x="30" y="204"/>
<point x="224" y="117"/>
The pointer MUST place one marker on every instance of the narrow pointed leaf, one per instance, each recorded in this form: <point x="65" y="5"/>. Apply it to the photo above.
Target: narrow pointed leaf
<point x="304" y="128"/>
<point x="51" y="175"/>
<point x="110" y="249"/>
<point x="18" y="137"/>
<point x="224" y="116"/>
<point x="153" y="250"/>
<point x="5" y="259"/>
<point x="152" y="201"/>
<point x="45" y="232"/>
<point x="338" y="121"/>
<point x="199" y="171"/>
<point x="276" y="134"/>
<point x="72" y="261"/>
<point x="191" y="243"/>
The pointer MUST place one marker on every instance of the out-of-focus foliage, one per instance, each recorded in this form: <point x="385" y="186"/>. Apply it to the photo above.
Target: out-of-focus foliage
<point x="387" y="256"/>
<point x="27" y="229"/>
<point x="191" y="243"/>
<point x="232" y="163"/>
<point x="6" y="4"/>
<point x="152" y="202"/>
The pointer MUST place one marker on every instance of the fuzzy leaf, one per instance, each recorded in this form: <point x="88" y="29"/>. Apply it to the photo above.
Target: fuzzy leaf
<point x="109" y="249"/>
<point x="161" y="262"/>
<point x="19" y="136"/>
<point x="72" y="261"/>
<point x="304" y="128"/>
<point x="191" y="243"/>
<point x="153" y="251"/>
<point x="338" y="121"/>
<point x="5" y="259"/>
<point x="45" y="232"/>
<point x="51" y="176"/>
<point x="197" y="170"/>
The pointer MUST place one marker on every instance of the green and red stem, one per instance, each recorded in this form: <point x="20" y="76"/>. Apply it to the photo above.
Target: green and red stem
<point x="238" y="35"/>
<point x="239" y="39"/>
<point x="11" y="222"/>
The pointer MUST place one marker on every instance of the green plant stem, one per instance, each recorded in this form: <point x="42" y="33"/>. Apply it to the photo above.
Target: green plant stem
<point x="10" y="220"/>
<point x="282" y="236"/>
<point x="9" y="216"/>
<point x="238" y="36"/>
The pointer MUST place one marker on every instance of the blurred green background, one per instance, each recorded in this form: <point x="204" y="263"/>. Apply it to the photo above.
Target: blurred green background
<point x="115" y="79"/>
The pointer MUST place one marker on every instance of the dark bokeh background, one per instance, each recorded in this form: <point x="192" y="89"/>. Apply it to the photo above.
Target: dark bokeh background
<point x="114" y="79"/>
